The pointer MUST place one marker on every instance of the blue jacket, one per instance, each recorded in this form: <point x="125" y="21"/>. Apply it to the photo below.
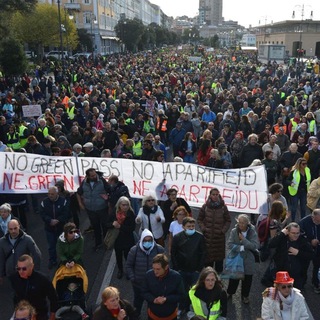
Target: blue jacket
<point x="311" y="231"/>
<point x="176" y="136"/>
<point x="58" y="209"/>
<point x="170" y="286"/>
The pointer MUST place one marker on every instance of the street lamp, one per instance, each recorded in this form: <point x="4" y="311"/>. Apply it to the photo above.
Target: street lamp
<point x="265" y="26"/>
<point x="301" y="9"/>
<point x="92" y="22"/>
<point x="66" y="29"/>
<point x="61" y="55"/>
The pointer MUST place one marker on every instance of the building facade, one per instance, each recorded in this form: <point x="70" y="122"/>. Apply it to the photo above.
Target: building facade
<point x="297" y="36"/>
<point x="210" y="12"/>
<point x="99" y="18"/>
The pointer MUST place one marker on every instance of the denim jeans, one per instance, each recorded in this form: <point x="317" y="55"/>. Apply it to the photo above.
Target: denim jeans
<point x="302" y="197"/>
<point x="52" y="237"/>
<point x="189" y="279"/>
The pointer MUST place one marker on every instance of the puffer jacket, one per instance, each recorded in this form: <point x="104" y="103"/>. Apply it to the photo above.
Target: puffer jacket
<point x="139" y="260"/>
<point x="214" y="222"/>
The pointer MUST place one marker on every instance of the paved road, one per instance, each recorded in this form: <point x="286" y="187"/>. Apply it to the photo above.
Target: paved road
<point x="101" y="270"/>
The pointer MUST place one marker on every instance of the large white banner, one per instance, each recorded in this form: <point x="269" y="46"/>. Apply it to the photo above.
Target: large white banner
<point x="243" y="190"/>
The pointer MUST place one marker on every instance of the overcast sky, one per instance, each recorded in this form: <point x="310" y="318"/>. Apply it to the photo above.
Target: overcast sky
<point x="246" y="11"/>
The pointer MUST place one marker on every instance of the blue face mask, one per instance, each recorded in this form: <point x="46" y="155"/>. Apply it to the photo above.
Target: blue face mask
<point x="147" y="244"/>
<point x="190" y="232"/>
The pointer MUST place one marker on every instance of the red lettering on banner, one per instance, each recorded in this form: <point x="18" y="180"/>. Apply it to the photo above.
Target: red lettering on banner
<point x="41" y="182"/>
<point x="240" y="199"/>
<point x="17" y="181"/>
<point x="7" y="180"/>
<point x="194" y="191"/>
<point x="141" y="188"/>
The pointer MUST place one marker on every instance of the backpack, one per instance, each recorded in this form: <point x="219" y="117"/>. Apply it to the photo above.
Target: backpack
<point x="263" y="230"/>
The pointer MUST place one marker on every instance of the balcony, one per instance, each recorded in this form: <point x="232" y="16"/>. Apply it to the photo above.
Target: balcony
<point x="72" y="6"/>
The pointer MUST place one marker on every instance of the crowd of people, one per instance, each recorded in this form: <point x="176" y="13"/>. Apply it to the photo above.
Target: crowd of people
<point x="224" y="112"/>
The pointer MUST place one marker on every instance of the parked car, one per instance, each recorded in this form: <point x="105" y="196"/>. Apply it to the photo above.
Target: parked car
<point x="86" y="55"/>
<point x="56" y="54"/>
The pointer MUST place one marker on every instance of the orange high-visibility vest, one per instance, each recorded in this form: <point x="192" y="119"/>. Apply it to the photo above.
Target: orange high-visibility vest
<point x="65" y="101"/>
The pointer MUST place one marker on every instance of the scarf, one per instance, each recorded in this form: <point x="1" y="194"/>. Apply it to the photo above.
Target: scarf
<point x="209" y="296"/>
<point x="214" y="204"/>
<point x="147" y="211"/>
<point x="286" y="303"/>
<point x="120" y="217"/>
<point x="114" y="312"/>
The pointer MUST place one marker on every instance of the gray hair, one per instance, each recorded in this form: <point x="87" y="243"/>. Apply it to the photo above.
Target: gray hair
<point x="315" y="212"/>
<point x="6" y="207"/>
<point x="244" y="217"/>
<point x="121" y="200"/>
<point x="148" y="197"/>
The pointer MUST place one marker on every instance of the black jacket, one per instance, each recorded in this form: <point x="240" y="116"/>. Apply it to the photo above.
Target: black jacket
<point x="102" y="313"/>
<point x="36" y="289"/>
<point x="295" y="265"/>
<point x="54" y="210"/>
<point x="188" y="252"/>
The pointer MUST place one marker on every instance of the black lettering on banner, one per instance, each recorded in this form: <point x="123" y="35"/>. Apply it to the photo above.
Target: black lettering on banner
<point x="22" y="162"/>
<point x="232" y="177"/>
<point x="217" y="176"/>
<point x="183" y="170"/>
<point x="85" y="164"/>
<point x="250" y="177"/>
<point x="146" y="171"/>
<point x="9" y="162"/>
<point x="167" y="172"/>
<point x="135" y="170"/>
<point x="201" y="174"/>
<point x="103" y="167"/>
<point x="114" y="166"/>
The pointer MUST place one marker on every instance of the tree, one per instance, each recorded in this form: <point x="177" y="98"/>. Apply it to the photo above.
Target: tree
<point x="130" y="32"/>
<point x="85" y="41"/>
<point x="40" y="28"/>
<point x="17" y="5"/>
<point x="8" y="7"/>
<point x="12" y="57"/>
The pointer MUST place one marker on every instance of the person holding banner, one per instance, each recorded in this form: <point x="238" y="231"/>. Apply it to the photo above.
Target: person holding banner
<point x="151" y="217"/>
<point x="93" y="196"/>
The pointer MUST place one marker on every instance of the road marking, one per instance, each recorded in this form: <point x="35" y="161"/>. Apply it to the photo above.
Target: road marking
<point x="107" y="277"/>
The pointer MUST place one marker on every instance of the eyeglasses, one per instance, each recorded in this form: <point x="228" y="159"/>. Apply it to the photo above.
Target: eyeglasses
<point x="284" y="286"/>
<point x="72" y="231"/>
<point x="21" y="268"/>
<point x="150" y="200"/>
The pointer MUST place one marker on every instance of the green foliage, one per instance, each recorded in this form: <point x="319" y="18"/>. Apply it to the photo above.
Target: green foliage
<point x="17" y="5"/>
<point x="12" y="58"/>
<point x="130" y="32"/>
<point x="212" y="42"/>
<point x="85" y="43"/>
<point x="40" y="28"/>
<point x="136" y="36"/>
